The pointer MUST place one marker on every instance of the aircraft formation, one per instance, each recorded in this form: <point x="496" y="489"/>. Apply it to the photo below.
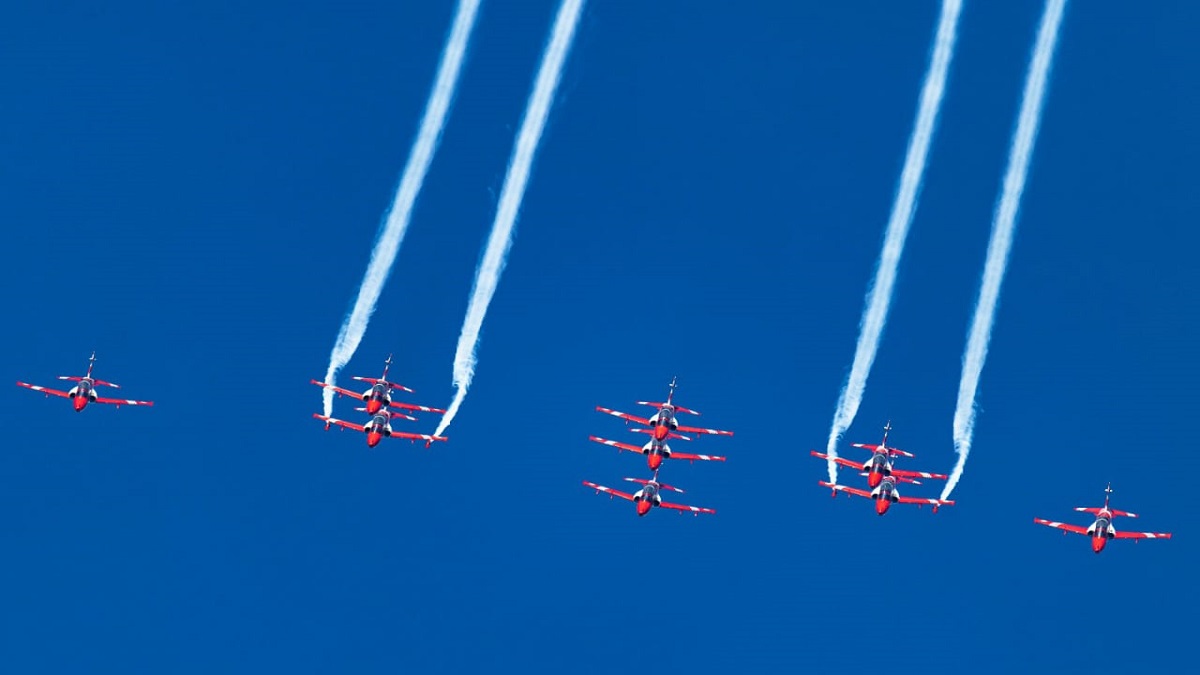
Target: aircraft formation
<point x="660" y="426"/>
<point x="880" y="472"/>
<point x="379" y="405"/>
<point x="882" y="477"/>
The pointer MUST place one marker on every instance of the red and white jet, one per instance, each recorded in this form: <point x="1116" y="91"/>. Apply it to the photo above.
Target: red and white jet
<point x="648" y="496"/>
<point x="656" y="451"/>
<point x="1102" y="529"/>
<point x="85" y="391"/>
<point x="886" y="494"/>
<point x="380" y="393"/>
<point x="880" y="464"/>
<point x="379" y="427"/>
<point x="663" y="424"/>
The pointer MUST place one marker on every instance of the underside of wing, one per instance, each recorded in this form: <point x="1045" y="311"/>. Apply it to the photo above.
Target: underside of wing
<point x="918" y="474"/>
<point x="701" y="430"/>
<point x="410" y="406"/>
<point x="924" y="500"/>
<point x="340" y="423"/>
<point x="339" y="390"/>
<point x="839" y="460"/>
<point x="684" y="507"/>
<point x="847" y="489"/>
<point x="691" y="457"/>
<point x="876" y="448"/>
<point x="122" y="401"/>
<point x="1062" y="526"/>
<point x="610" y="491"/>
<point x="617" y="444"/>
<point x="376" y="380"/>
<point x="417" y="437"/>
<point x="1142" y="535"/>
<point x="45" y="390"/>
<point x="625" y="416"/>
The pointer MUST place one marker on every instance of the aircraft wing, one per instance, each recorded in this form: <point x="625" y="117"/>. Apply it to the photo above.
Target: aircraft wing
<point x="1062" y="526"/>
<point x="121" y="401"/>
<point x="610" y="491"/>
<point x="390" y="385"/>
<point x="1096" y="511"/>
<point x="691" y="458"/>
<point x="45" y="390"/>
<point x="839" y="460"/>
<point x="923" y="500"/>
<point x="683" y="507"/>
<point x="701" y="430"/>
<point x="875" y="448"/>
<point x="410" y="406"/>
<point x="343" y="392"/>
<point x="625" y="416"/>
<point x="340" y="423"/>
<point x="1141" y="535"/>
<point x="843" y="488"/>
<point x="616" y="444"/>
<point x="918" y="474"/>
<point x="417" y="437"/>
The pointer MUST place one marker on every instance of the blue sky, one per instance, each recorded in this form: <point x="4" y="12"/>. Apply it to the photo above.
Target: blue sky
<point x="193" y="193"/>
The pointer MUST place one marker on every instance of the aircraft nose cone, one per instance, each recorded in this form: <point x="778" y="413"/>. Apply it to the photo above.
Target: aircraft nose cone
<point x="874" y="479"/>
<point x="80" y="402"/>
<point x="654" y="461"/>
<point x="882" y="505"/>
<point x="373" y="438"/>
<point x="1098" y="543"/>
<point x="643" y="507"/>
<point x="373" y="406"/>
<point x="660" y="431"/>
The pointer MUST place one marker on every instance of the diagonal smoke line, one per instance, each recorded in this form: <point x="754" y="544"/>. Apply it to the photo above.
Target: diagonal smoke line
<point x="396" y="222"/>
<point x="487" y="276"/>
<point x="880" y="297"/>
<point x="1003" y="225"/>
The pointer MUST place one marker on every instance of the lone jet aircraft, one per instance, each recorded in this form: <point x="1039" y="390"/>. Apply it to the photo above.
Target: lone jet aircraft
<point x="1102" y="529"/>
<point x="85" y="391"/>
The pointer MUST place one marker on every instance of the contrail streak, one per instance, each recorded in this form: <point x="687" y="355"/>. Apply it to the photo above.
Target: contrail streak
<point x="875" y="313"/>
<point x="1003" y="224"/>
<point x="396" y="223"/>
<point x="500" y="240"/>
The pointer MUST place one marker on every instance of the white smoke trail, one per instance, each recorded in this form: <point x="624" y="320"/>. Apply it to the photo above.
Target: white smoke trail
<point x="500" y="240"/>
<point x="1003" y="224"/>
<point x="396" y="223"/>
<point x="875" y="313"/>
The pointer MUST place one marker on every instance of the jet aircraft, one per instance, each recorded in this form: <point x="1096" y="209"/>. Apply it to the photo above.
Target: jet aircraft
<point x="663" y="424"/>
<point x="1102" y="529"/>
<point x="379" y="428"/>
<point x="380" y="393"/>
<point x="648" y="496"/>
<point x="84" y="391"/>
<point x="656" y="451"/>
<point x="886" y="494"/>
<point x="880" y="464"/>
